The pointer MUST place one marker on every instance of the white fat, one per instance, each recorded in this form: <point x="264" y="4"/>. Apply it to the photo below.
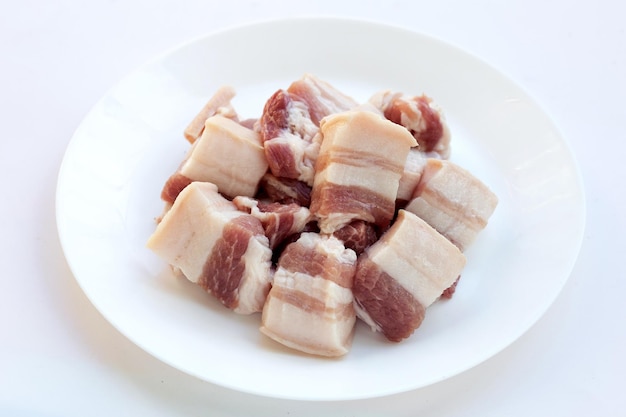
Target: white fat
<point x="188" y="231"/>
<point x="303" y="153"/>
<point x="316" y="332"/>
<point x="412" y="120"/>
<point x="329" y="245"/>
<point x="307" y="165"/>
<point x="330" y="99"/>
<point x="368" y="175"/>
<point x="455" y="203"/>
<point x="332" y="222"/>
<point x="323" y="289"/>
<point x="413" y="168"/>
<point x="426" y="276"/>
<point x="299" y="120"/>
<point x="382" y="99"/>
<point x="305" y="331"/>
<point x="229" y="155"/>
<point x="256" y="279"/>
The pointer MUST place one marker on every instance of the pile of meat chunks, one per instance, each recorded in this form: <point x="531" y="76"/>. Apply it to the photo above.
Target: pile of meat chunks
<point x="322" y="211"/>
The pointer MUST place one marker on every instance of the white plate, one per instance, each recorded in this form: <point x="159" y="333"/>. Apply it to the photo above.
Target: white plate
<point x="131" y="141"/>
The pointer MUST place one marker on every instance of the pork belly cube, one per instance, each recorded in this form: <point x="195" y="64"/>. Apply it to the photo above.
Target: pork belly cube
<point x="219" y="103"/>
<point x="358" y="170"/>
<point x="228" y="155"/>
<point x="453" y="201"/>
<point x="402" y="274"/>
<point x="421" y="116"/>
<point x="310" y="306"/>
<point x="222" y="249"/>
<point x="321" y="98"/>
<point x="287" y="133"/>
<point x="279" y="220"/>
<point x="290" y="123"/>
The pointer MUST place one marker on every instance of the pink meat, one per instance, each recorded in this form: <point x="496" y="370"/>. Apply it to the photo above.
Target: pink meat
<point x="321" y="98"/>
<point x="285" y="190"/>
<point x="420" y="116"/>
<point x="226" y="265"/>
<point x="222" y="249"/>
<point x="173" y="186"/>
<point x="402" y="274"/>
<point x="357" y="235"/>
<point x="290" y="122"/>
<point x="287" y="132"/>
<point x="279" y="220"/>
<point x="358" y="170"/>
<point x="386" y="304"/>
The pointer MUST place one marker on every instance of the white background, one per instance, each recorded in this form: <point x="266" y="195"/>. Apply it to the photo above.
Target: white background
<point x="59" y="357"/>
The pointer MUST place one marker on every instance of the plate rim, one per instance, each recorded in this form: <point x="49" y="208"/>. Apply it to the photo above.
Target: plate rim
<point x="380" y="26"/>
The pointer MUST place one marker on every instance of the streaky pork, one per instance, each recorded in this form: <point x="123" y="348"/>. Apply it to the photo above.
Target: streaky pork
<point x="453" y="201"/>
<point x="279" y="220"/>
<point x="227" y="154"/>
<point x="402" y="274"/>
<point x="222" y="249"/>
<point x="421" y="116"/>
<point x="290" y="122"/>
<point x="358" y="170"/>
<point x="310" y="305"/>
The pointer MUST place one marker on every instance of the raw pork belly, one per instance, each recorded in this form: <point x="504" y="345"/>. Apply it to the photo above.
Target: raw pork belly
<point x="420" y="116"/>
<point x="290" y="122"/>
<point x="322" y="211"/>
<point x="361" y="160"/>
<point x="278" y="220"/>
<point x="227" y="154"/>
<point x="321" y="98"/>
<point x="403" y="273"/>
<point x="357" y="235"/>
<point x="286" y="190"/>
<point x="218" y="104"/>
<point x="220" y="248"/>
<point x="310" y="306"/>
<point x="453" y="201"/>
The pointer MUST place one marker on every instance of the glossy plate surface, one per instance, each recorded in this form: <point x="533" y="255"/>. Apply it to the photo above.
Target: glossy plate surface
<point x="131" y="141"/>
